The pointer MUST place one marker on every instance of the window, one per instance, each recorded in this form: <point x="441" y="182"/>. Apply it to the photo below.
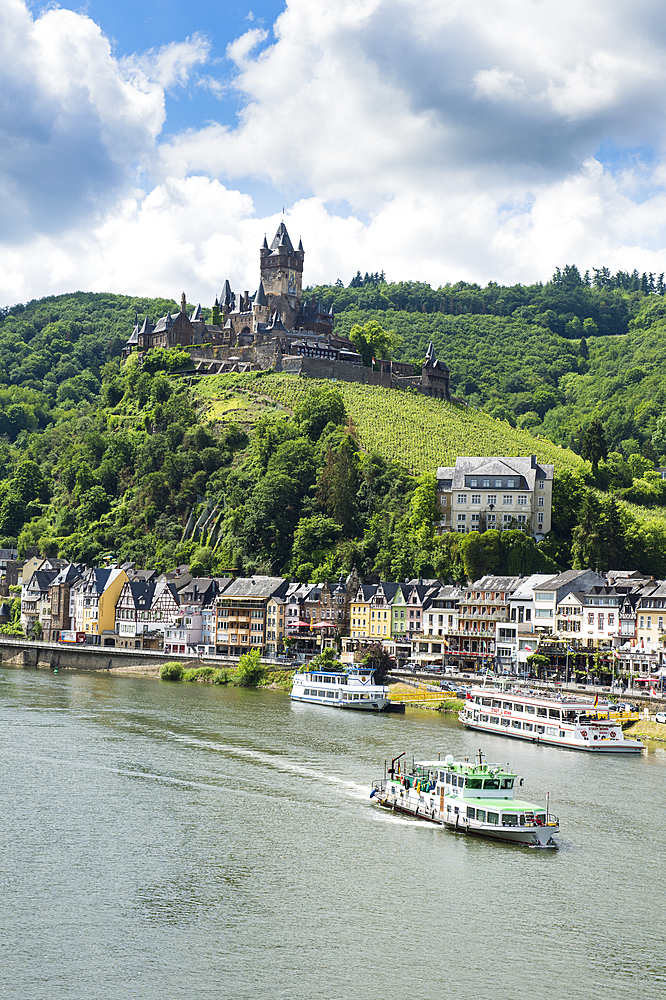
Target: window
<point x="498" y="484"/>
<point x="611" y="620"/>
<point x="649" y="621"/>
<point x="473" y="482"/>
<point x="507" y="499"/>
<point x="475" y="518"/>
<point x="590" y="618"/>
<point x="540" y="502"/>
<point x="507" y="519"/>
<point x="642" y="622"/>
<point x="522" y="518"/>
<point x="509" y="483"/>
<point x="462" y="517"/>
<point x="491" y="499"/>
<point x="540" y="518"/>
<point x="542" y="484"/>
<point x="486" y="483"/>
<point x="522" y="500"/>
<point x="490" y="518"/>
<point x="461" y="498"/>
<point x="476" y="498"/>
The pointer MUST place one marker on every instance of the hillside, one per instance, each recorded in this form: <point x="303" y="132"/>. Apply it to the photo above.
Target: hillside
<point x="403" y="427"/>
<point x="107" y="461"/>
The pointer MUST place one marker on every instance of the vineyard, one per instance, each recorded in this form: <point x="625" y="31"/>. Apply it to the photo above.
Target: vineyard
<point x="418" y="432"/>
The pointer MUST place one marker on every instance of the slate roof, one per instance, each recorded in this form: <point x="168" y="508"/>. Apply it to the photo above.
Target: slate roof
<point x="502" y="465"/>
<point x="256" y="586"/>
<point x="281" y="239"/>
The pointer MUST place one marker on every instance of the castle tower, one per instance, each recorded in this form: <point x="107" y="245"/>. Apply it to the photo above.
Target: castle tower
<point x="282" y="275"/>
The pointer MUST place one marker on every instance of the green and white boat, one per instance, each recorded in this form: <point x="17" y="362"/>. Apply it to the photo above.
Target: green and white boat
<point x="472" y="798"/>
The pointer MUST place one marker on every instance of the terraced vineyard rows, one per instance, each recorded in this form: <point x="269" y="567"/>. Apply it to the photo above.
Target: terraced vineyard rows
<point x="419" y="432"/>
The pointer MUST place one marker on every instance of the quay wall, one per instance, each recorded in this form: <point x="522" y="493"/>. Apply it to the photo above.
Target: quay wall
<point x="52" y="655"/>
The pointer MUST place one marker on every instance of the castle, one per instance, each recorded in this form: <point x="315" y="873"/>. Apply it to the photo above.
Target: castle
<point x="275" y="328"/>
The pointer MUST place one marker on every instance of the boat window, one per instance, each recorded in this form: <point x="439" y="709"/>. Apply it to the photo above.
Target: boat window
<point x="493" y="818"/>
<point x="541" y="712"/>
<point x="448" y="779"/>
<point x="509" y="819"/>
<point x="496" y="703"/>
<point x="517" y="707"/>
<point x="474" y="783"/>
<point x="507" y="783"/>
<point x="528" y="726"/>
<point x="485" y="701"/>
<point x="484" y="718"/>
<point x="551" y="730"/>
<point x="507" y="706"/>
<point x="471" y="813"/>
<point x="521" y="820"/>
<point x="529" y="709"/>
<point x="491" y="783"/>
<point x="494" y="720"/>
<point x="569" y="716"/>
<point x="441" y="775"/>
<point x="461" y="782"/>
<point x="505" y="721"/>
<point x="481" y="815"/>
<point x="553" y="713"/>
<point x="477" y="700"/>
<point x="516" y="724"/>
<point x="539" y="729"/>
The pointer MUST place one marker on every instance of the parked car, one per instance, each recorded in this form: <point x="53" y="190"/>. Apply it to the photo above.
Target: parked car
<point x="660" y="717"/>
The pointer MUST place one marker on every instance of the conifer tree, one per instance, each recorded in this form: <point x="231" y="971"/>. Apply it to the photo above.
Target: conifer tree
<point x="594" y="446"/>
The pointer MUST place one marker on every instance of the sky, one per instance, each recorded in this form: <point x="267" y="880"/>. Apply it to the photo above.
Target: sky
<point x="147" y="147"/>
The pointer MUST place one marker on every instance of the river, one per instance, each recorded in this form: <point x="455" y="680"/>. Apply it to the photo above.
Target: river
<point x="181" y="840"/>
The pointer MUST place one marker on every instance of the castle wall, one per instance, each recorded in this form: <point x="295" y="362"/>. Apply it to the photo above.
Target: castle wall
<point x="342" y="370"/>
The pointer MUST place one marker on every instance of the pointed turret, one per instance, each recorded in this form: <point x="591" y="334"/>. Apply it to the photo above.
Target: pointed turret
<point x="260" y="295"/>
<point x="300" y="245"/>
<point x="281" y="239"/>
<point x="226" y="295"/>
<point x="183" y="303"/>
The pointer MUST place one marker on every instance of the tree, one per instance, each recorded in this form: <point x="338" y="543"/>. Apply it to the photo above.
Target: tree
<point x="587" y="549"/>
<point x="538" y="663"/>
<point x="249" y="672"/>
<point x="322" y="404"/>
<point x="593" y="446"/>
<point x="338" y="484"/>
<point x="373" y="341"/>
<point x="313" y="539"/>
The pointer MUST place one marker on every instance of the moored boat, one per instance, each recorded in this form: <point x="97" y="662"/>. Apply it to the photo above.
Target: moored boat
<point x="472" y="798"/>
<point x="559" y="722"/>
<point x="353" y="688"/>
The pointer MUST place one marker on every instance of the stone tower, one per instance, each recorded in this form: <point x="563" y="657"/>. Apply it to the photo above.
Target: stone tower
<point x="282" y="276"/>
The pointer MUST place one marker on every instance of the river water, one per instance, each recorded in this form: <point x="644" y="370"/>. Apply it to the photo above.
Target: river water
<point x="171" y="840"/>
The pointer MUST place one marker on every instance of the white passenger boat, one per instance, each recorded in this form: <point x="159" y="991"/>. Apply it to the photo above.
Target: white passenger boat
<point x="475" y="798"/>
<point x="352" y="688"/>
<point x="575" y="725"/>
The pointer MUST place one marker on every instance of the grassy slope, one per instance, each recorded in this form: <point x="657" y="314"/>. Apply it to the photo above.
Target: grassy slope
<point x="419" y="432"/>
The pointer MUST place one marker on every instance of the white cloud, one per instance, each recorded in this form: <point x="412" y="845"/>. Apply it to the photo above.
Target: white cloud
<point x="463" y="136"/>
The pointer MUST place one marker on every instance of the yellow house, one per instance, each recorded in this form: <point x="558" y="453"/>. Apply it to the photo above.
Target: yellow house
<point x="359" y="614"/>
<point x="94" y="600"/>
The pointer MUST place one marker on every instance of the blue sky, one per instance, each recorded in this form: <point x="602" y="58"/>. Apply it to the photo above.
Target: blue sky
<point x="148" y="146"/>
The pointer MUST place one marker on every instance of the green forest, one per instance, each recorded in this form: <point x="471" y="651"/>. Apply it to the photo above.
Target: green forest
<point x="103" y="461"/>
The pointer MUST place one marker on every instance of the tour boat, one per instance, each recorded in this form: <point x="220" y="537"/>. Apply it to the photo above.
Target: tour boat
<point x="475" y="798"/>
<point x="569" y="723"/>
<point x="351" y="688"/>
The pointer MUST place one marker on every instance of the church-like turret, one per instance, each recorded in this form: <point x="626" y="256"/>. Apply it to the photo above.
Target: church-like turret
<point x="282" y="275"/>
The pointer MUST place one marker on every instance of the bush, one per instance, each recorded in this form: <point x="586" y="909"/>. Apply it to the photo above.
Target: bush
<point x="172" y="671"/>
<point x="250" y="672"/>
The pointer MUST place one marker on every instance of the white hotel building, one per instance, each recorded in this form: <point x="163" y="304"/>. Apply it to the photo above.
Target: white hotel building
<point x="478" y="494"/>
